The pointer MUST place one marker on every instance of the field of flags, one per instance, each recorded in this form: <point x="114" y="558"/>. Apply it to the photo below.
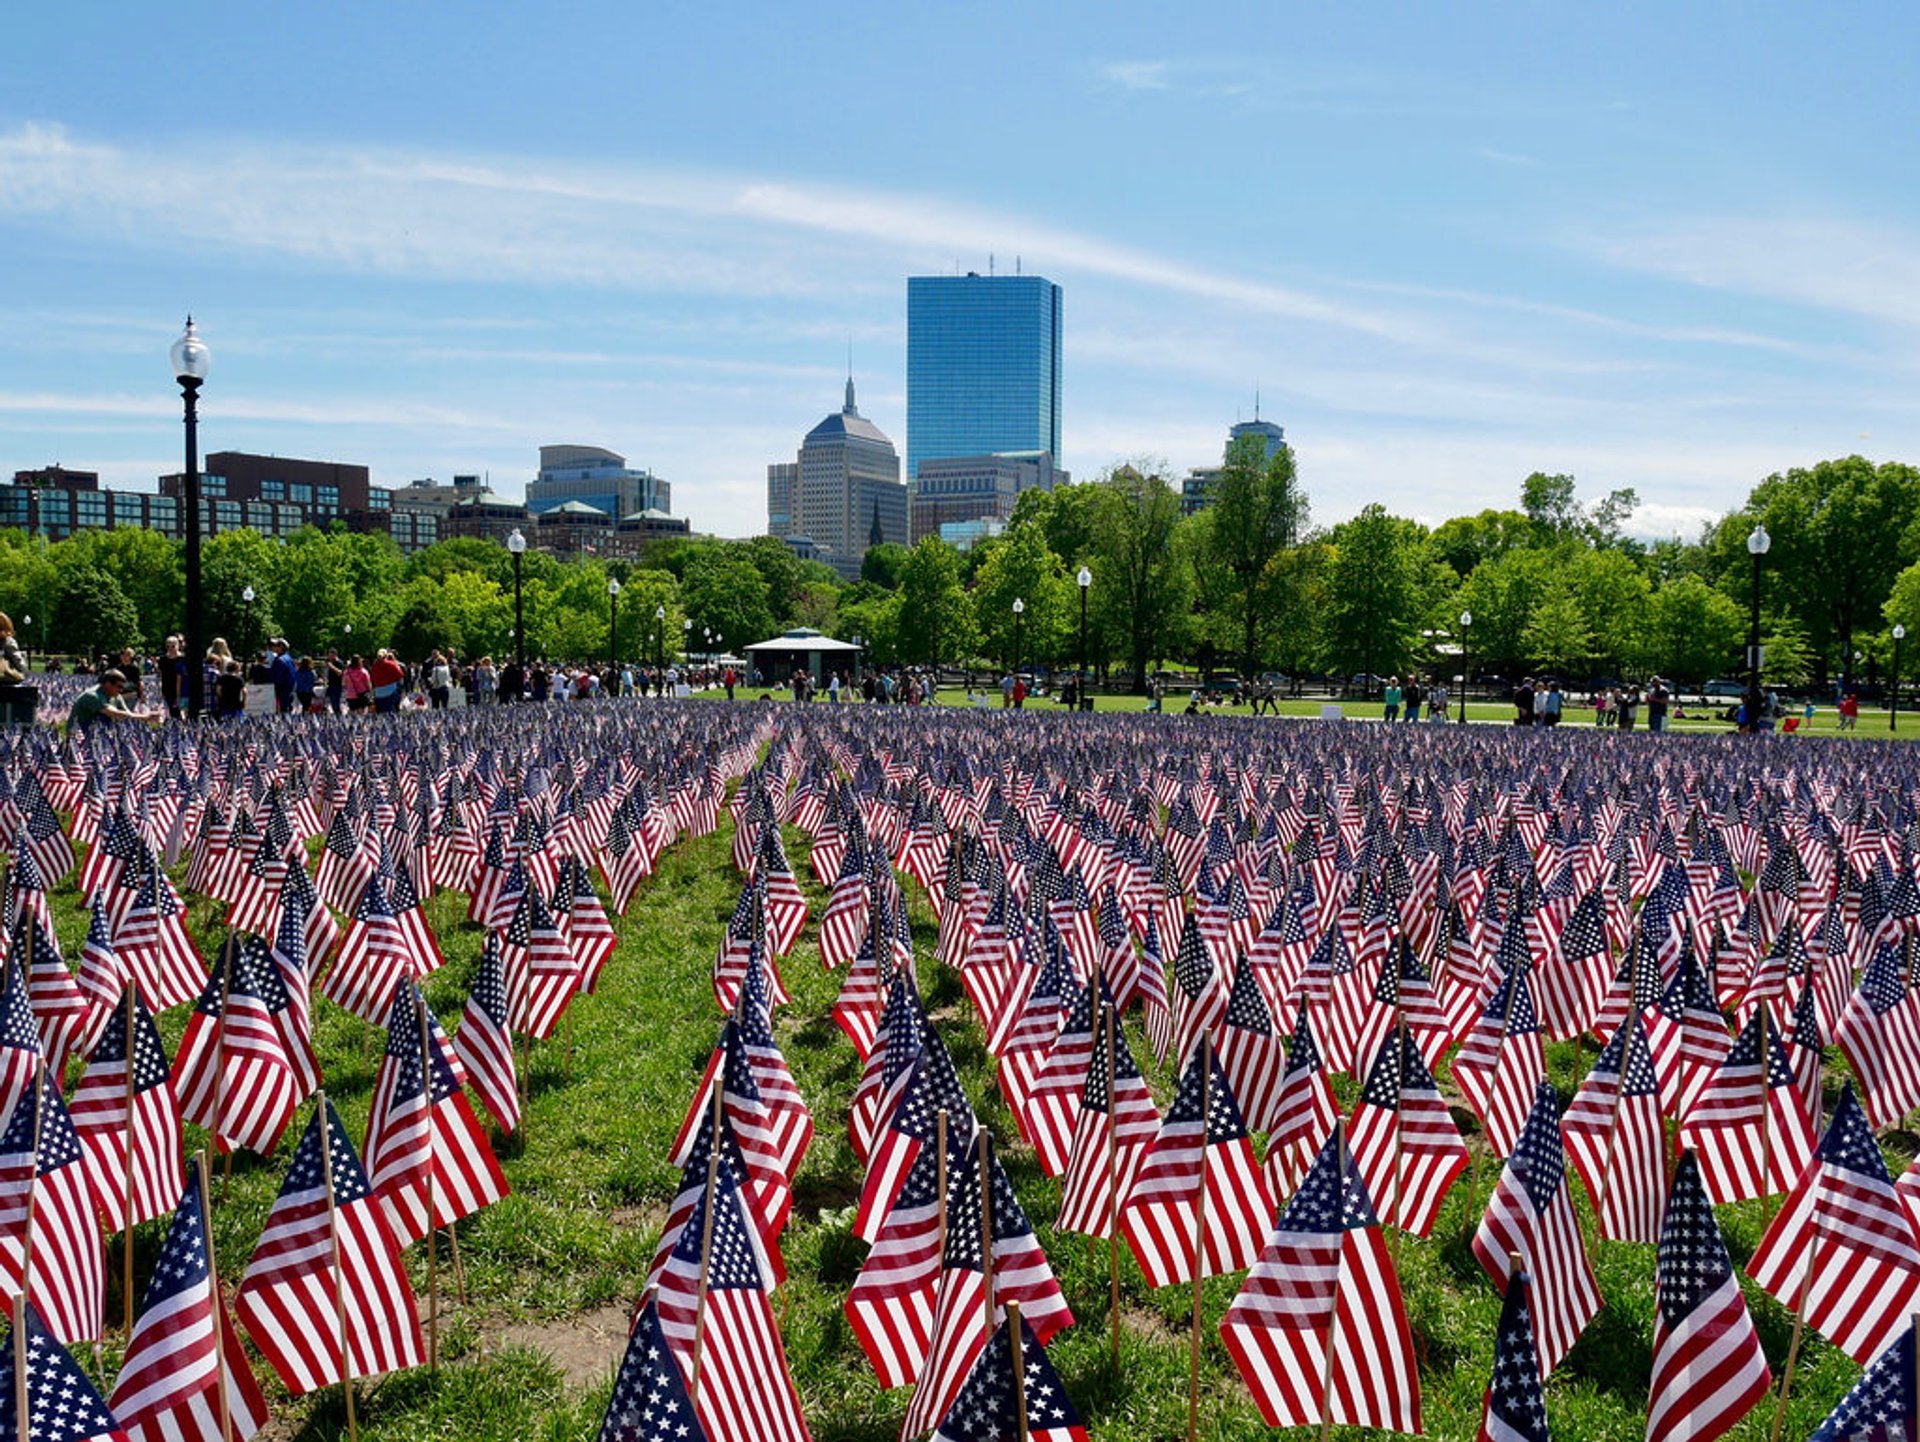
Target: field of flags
<point x="1346" y="949"/>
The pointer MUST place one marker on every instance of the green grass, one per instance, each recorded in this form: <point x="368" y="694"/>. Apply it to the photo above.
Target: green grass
<point x="591" y="1182"/>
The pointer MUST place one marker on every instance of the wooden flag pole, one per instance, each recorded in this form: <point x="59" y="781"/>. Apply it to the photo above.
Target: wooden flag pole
<point x="1113" y="1184"/>
<point x="986" y="1222"/>
<point x="127" y="1187"/>
<point x="1613" y="1125"/>
<point x="1766" y="1118"/>
<point x="706" y="1245"/>
<point x="1016" y="1345"/>
<point x="219" y="1059"/>
<point x="426" y="1097"/>
<point x="1326" y="1349"/>
<point x="459" y="1272"/>
<point x="323" y="1114"/>
<point x="1199" y="1241"/>
<point x="222" y="1383"/>
<point x="1793" y="1349"/>
<point x="1399" y="1084"/>
<point x="22" y="1411"/>
<point x="940" y="1182"/>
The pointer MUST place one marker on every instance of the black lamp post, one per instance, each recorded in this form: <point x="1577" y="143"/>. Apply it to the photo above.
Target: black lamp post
<point x="660" y="640"/>
<point x="1893" y="688"/>
<point x="613" y="625"/>
<point x="26" y="646"/>
<point x="517" y="547"/>
<point x="1019" y="610"/>
<point x="190" y="359"/>
<point x="1466" y="667"/>
<point x="1080" y="697"/>
<point x="686" y="640"/>
<point x="1758" y="543"/>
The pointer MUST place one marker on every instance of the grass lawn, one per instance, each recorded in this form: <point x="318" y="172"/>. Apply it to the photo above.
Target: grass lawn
<point x="552" y="1269"/>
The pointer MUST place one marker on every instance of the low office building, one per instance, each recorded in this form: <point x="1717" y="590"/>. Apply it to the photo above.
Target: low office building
<point x="958" y="490"/>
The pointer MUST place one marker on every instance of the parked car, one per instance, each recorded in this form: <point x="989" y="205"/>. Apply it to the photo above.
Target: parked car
<point x="1715" y="689"/>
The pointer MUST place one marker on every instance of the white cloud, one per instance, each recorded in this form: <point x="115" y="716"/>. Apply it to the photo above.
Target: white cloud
<point x="1135" y="74"/>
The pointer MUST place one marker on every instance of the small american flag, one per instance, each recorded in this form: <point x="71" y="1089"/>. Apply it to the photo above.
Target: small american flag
<point x="1843" y="1221"/>
<point x="929" y="1087"/>
<point x="1531" y="1212"/>
<point x="988" y="1405"/>
<point x="484" y="1042"/>
<point x="232" y="1074"/>
<point x="1319" y="1329"/>
<point x="1400" y="1116"/>
<point x="1117" y="1122"/>
<point x="62" y="1403"/>
<point x="1516" y="1409"/>
<point x="43" y="1166"/>
<point x="1879" y="1034"/>
<point x="1614" y="1133"/>
<point x="169" y="1388"/>
<point x="1750" y="1128"/>
<point x="1251" y="1053"/>
<point x="1708" y="1367"/>
<point x="650" y="1401"/>
<point x="1502" y="1062"/>
<point x="1202" y="1145"/>
<point x="322" y="1246"/>
<point x="1304" y="1112"/>
<point x="1883" y="1405"/>
<point x="148" y="1140"/>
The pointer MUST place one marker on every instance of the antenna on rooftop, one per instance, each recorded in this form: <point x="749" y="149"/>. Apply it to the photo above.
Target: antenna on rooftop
<point x="989" y="262"/>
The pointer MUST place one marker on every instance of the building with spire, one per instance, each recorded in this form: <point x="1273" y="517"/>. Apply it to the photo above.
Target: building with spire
<point x="1196" y="491"/>
<point x="842" y="494"/>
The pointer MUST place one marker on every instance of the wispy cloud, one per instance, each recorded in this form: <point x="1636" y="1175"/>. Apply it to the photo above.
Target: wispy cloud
<point x="1507" y="157"/>
<point x="1134" y="74"/>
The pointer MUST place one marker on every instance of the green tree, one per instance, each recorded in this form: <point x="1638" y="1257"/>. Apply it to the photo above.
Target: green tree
<point x="1692" y="631"/>
<point x="1377" y="593"/>
<point x="29" y="580"/>
<point x="1022" y="567"/>
<point x="935" y="620"/>
<point x="230" y="562"/>
<point x="425" y="622"/>
<point x="882" y="564"/>
<point x="722" y="591"/>
<point x="1842" y="531"/>
<point x="1902" y="606"/>
<point x="1550" y="503"/>
<point x="779" y="568"/>
<point x="1465" y="542"/>
<point x="1258" y="509"/>
<point x="147" y="566"/>
<point x="91" y="614"/>
<point x="1142" y="580"/>
<point x="1557" y="634"/>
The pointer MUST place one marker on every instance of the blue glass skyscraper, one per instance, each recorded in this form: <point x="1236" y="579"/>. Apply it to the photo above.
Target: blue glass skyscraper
<point x="983" y="366"/>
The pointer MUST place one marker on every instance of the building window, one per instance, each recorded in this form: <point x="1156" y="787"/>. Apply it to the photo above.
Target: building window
<point x="301" y="493"/>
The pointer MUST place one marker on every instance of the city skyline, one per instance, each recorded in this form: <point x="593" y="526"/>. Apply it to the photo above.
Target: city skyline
<point x="1446" y="251"/>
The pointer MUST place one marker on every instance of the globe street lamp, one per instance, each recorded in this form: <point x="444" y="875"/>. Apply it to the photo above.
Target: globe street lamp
<point x="1893" y="690"/>
<point x="1466" y="670"/>
<point x="1019" y="610"/>
<point x="246" y="620"/>
<point x="1758" y="544"/>
<point x="191" y="359"/>
<point x="660" y="641"/>
<point x="1085" y="702"/>
<point x="517" y="547"/>
<point x="613" y="628"/>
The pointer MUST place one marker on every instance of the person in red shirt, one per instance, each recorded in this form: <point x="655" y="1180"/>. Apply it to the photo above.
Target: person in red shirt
<point x="1019" y="693"/>
<point x="389" y="682"/>
<point x="1849" y="711"/>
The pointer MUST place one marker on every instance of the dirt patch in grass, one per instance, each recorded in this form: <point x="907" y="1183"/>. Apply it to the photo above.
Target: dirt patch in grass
<point x="648" y="1217"/>
<point x="586" y="1346"/>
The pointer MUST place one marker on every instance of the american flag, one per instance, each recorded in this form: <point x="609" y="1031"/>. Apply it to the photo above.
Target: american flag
<point x="1502" y="1062"/>
<point x="1304" y="1112"/>
<point x="328" y="1269"/>
<point x="712" y="1299"/>
<point x="890" y="1307"/>
<point x="62" y="1403"/>
<point x="1571" y="992"/>
<point x="845" y="922"/>
<point x="788" y="1116"/>
<point x="1531" y="1212"/>
<point x="47" y="1206"/>
<point x="1883" y="1406"/>
<point x="988" y="1405"/>
<point x="1251" y="1054"/>
<point x="231" y="1074"/>
<point x="1750" y="1129"/>
<point x="1052" y="1104"/>
<point x="42" y="837"/>
<point x="888" y="1063"/>
<point x="1708" y="1367"/>
<point x="928" y="1087"/>
<point x="1687" y="1037"/>
<point x="1843" y="1252"/>
<point x="552" y="970"/>
<point x="1614" y="1133"/>
<point x="484" y="1042"/>
<point x="589" y="932"/>
<point x="767" y="1184"/>
<point x="152" y="941"/>
<point x="1402" y="996"/>
<point x="1199" y="995"/>
<point x="376" y="952"/>
<point x="1404" y="1141"/>
<point x="133" y="1158"/>
<point x="786" y="904"/>
<point x="1516" y="1409"/>
<point x="1879" y="1034"/>
<point x="1319" y="1329"/>
<point x="169" y="1389"/>
<point x="1117" y="1122"/>
<point x="292" y="1002"/>
<point x="60" y="1009"/>
<point x="989" y="1257"/>
<point x="1202" y="1149"/>
<point x="422" y="1138"/>
<point x="650" y="1401"/>
<point x="102" y="976"/>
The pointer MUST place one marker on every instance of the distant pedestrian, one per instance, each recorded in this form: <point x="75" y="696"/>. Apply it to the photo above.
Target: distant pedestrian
<point x="1550" y="704"/>
<point x="1523" y="702"/>
<point x="1393" y="698"/>
<point x="1413" y="695"/>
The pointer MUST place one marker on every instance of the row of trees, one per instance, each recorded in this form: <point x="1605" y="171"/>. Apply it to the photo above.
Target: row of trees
<point x="1246" y="584"/>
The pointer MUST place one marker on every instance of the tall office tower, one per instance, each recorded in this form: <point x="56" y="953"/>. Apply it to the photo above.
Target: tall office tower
<point x="983" y="366"/>
<point x="843" y="494"/>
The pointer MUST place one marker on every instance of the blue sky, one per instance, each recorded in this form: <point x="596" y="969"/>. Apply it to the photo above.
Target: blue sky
<point x="1668" y="247"/>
